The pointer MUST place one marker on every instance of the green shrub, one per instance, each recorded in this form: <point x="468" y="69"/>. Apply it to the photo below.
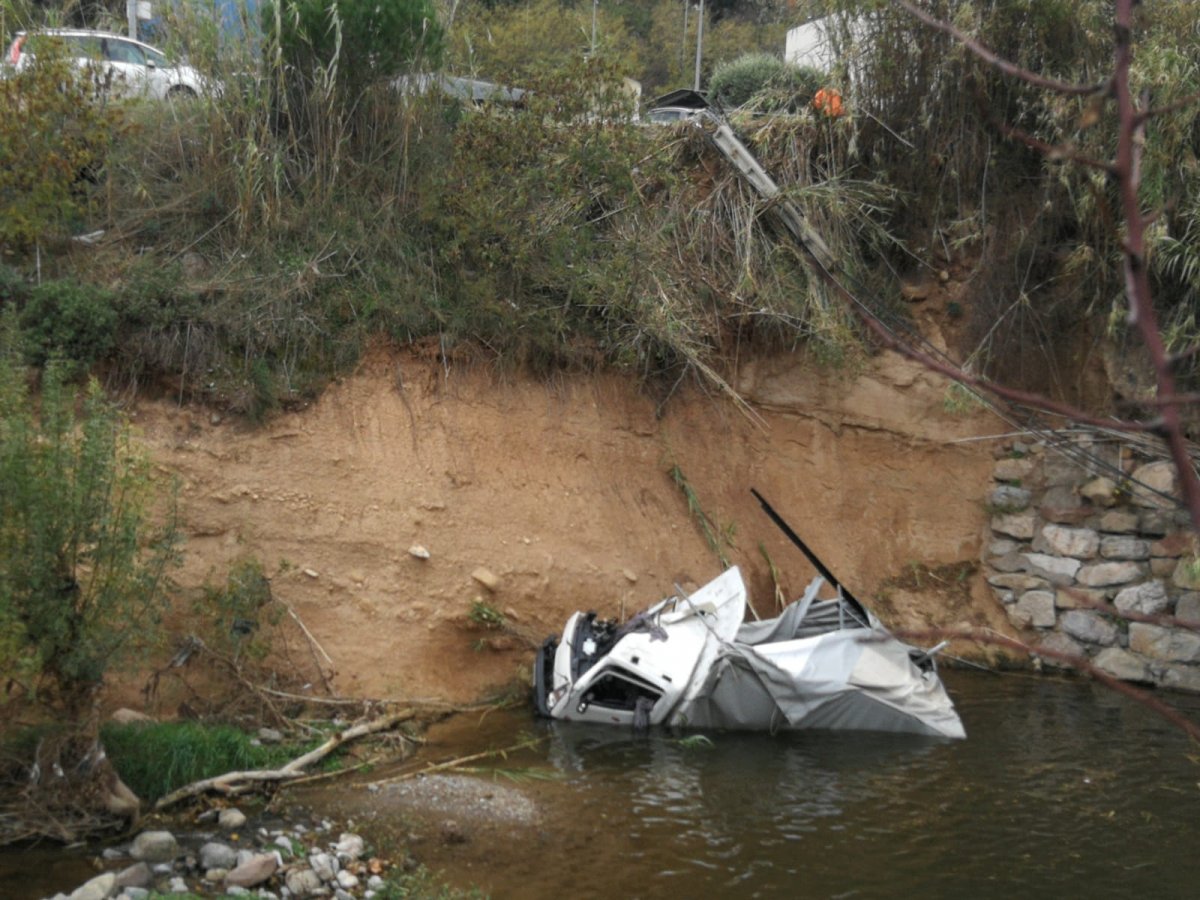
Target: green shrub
<point x="766" y="82"/>
<point x="797" y="85"/>
<point x="734" y="83"/>
<point x="232" y="612"/>
<point x="83" y="562"/>
<point x="70" y="321"/>
<point x="354" y="42"/>
<point x="55" y="131"/>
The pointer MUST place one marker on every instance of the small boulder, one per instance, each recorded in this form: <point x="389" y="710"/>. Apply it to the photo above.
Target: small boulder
<point x="1015" y="525"/>
<point x="1182" y="678"/>
<point x="231" y="819"/>
<point x="1123" y="547"/>
<point x="1100" y="491"/>
<point x="487" y="578"/>
<point x="303" y="882"/>
<point x="1122" y="664"/>
<point x="325" y="865"/>
<point x="1081" y="543"/>
<point x="349" y="846"/>
<point x="1009" y="499"/>
<point x="1149" y="598"/>
<point x="1108" y="573"/>
<point x="1089" y="627"/>
<point x="137" y="875"/>
<point x="253" y="871"/>
<point x="1154" y="485"/>
<point x="215" y="855"/>
<point x="1187" y="608"/>
<point x="1118" y="521"/>
<point x="125" y="716"/>
<point x="1187" y="574"/>
<point x="99" y="888"/>
<point x="1035" y="608"/>
<point x="154" y="846"/>
<point x="1011" y="470"/>
<point x="1058" y="650"/>
<point x="1059" y="570"/>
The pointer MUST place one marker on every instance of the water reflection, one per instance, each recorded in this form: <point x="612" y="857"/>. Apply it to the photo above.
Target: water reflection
<point x="730" y="810"/>
<point x="1061" y="787"/>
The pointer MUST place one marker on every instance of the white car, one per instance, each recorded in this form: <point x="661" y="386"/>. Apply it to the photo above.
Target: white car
<point x="124" y="67"/>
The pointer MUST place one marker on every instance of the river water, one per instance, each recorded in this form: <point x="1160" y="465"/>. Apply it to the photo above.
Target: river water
<point x="1061" y="789"/>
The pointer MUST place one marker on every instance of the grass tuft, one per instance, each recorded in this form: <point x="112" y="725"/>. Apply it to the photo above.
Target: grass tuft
<point x="156" y="758"/>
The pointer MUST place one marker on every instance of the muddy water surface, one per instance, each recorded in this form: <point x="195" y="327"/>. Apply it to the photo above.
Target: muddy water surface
<point x="1061" y="789"/>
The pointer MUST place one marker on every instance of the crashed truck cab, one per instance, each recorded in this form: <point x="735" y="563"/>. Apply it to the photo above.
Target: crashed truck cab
<point x="631" y="674"/>
<point x="690" y="662"/>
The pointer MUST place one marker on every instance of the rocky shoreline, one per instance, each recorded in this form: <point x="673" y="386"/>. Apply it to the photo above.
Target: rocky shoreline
<point x="231" y="857"/>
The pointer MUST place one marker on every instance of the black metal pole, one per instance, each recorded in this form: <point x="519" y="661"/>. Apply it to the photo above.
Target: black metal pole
<point x="812" y="557"/>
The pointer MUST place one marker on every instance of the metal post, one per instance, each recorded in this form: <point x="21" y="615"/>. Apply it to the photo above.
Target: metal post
<point x="687" y="5"/>
<point x="131" y="16"/>
<point x="699" y="43"/>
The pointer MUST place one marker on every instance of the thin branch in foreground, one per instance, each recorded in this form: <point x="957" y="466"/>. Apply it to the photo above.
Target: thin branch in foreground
<point x="1055" y="152"/>
<point x="1126" y="171"/>
<point x="977" y="636"/>
<point x="456" y="763"/>
<point x="998" y="62"/>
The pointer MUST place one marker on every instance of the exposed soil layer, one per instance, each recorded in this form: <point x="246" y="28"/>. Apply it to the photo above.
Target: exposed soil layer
<point x="562" y="491"/>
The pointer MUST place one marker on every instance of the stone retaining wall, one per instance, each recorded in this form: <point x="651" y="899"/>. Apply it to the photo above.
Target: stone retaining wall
<point x="1067" y="531"/>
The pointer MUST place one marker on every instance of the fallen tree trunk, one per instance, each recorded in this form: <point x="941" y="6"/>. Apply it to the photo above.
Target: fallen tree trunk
<point x="233" y="783"/>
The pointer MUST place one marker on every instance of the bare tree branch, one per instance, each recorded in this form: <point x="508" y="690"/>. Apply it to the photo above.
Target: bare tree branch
<point x="1130" y="139"/>
<point x="999" y="63"/>
<point x="1182" y="103"/>
<point x="979" y="636"/>
<point x="1050" y="151"/>
<point x="1126" y="170"/>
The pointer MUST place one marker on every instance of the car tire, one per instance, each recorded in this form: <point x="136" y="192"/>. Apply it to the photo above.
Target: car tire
<point x="181" y="92"/>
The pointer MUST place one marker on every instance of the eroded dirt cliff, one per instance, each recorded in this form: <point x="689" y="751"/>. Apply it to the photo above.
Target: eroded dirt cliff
<point x="562" y="489"/>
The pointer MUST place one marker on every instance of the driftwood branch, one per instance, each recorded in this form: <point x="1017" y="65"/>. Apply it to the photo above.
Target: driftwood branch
<point x="457" y="763"/>
<point x="233" y="783"/>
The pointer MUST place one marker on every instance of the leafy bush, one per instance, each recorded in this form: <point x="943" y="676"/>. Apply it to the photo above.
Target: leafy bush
<point x="734" y="83"/>
<point x="71" y="321"/>
<point x="232" y="612"/>
<point x="83" y="564"/>
<point x="55" y="131"/>
<point x="776" y="85"/>
<point x="355" y="42"/>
